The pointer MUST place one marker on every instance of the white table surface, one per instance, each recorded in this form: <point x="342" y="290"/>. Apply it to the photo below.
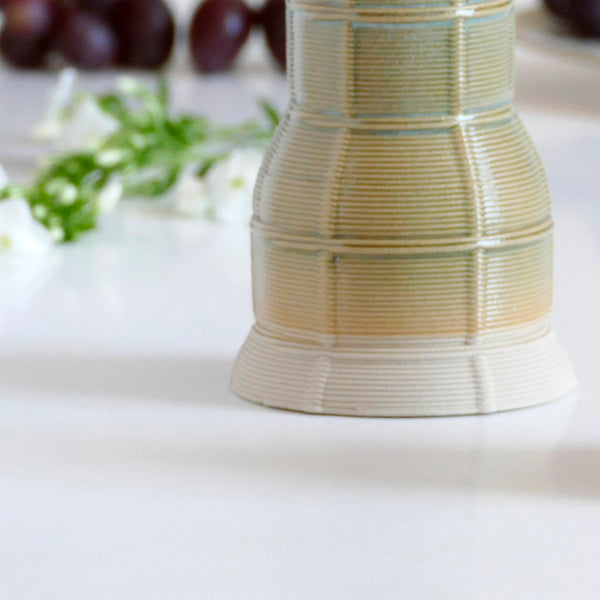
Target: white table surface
<point x="128" y="471"/>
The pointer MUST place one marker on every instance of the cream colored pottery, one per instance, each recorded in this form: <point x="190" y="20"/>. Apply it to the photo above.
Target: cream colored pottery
<point x="402" y="230"/>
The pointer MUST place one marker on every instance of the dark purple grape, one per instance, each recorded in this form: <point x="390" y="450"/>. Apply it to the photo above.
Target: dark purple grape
<point x="146" y="31"/>
<point x="219" y="30"/>
<point x="86" y="40"/>
<point x="98" y="6"/>
<point x="22" y="52"/>
<point x="585" y="15"/>
<point x="559" y="7"/>
<point x="272" y="18"/>
<point x="29" y="19"/>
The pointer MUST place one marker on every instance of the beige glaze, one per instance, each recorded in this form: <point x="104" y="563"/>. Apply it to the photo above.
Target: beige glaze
<point x="402" y="231"/>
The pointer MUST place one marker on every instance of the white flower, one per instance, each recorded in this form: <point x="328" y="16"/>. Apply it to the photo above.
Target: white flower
<point x="57" y="233"/>
<point x="51" y="125"/>
<point x="39" y="211"/>
<point x="109" y="196"/>
<point x="87" y="126"/>
<point x="63" y="190"/>
<point x="82" y="124"/>
<point x="129" y="85"/>
<point x="230" y="185"/>
<point x="3" y="178"/>
<point x="22" y="279"/>
<point x="20" y="233"/>
<point x="225" y="193"/>
<point x="110" y="157"/>
<point x="191" y="196"/>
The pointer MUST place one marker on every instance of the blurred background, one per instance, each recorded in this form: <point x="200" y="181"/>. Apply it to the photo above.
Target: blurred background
<point x="218" y="57"/>
<point x="137" y="34"/>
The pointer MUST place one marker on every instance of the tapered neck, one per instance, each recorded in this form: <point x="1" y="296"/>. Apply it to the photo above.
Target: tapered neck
<point x="361" y="59"/>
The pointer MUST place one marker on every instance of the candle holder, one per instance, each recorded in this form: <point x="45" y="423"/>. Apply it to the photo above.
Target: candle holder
<point x="402" y="230"/>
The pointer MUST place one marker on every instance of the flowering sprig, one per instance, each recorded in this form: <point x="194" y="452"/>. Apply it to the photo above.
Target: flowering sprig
<point x="127" y="144"/>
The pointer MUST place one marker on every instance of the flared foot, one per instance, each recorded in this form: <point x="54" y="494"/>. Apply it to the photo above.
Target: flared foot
<point x="404" y="378"/>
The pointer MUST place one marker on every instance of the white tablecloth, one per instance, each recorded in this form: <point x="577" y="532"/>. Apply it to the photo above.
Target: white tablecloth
<point x="127" y="469"/>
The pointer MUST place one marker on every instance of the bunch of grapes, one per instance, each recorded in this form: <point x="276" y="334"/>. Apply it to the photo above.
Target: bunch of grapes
<point x="99" y="34"/>
<point x="88" y="34"/>
<point x="221" y="27"/>
<point x="583" y="15"/>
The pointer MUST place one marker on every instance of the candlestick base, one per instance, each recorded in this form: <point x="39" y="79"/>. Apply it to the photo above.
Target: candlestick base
<point x="425" y="376"/>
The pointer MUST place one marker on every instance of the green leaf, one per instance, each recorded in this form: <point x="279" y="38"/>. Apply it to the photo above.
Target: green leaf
<point x="270" y="111"/>
<point x="148" y="154"/>
<point x="206" y="166"/>
<point x="114" y="106"/>
<point x="163" y="92"/>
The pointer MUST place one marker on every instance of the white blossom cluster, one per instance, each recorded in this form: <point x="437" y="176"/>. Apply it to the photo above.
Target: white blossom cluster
<point x="222" y="194"/>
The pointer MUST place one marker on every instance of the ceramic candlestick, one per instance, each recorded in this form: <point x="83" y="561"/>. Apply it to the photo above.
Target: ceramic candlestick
<point x="402" y="230"/>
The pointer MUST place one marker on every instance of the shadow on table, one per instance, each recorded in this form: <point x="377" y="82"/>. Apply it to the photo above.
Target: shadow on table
<point x="564" y="471"/>
<point x="200" y="380"/>
<point x="513" y="453"/>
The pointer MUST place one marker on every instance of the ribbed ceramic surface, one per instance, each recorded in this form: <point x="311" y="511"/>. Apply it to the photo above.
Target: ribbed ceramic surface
<point x="401" y="206"/>
<point x="405" y="378"/>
